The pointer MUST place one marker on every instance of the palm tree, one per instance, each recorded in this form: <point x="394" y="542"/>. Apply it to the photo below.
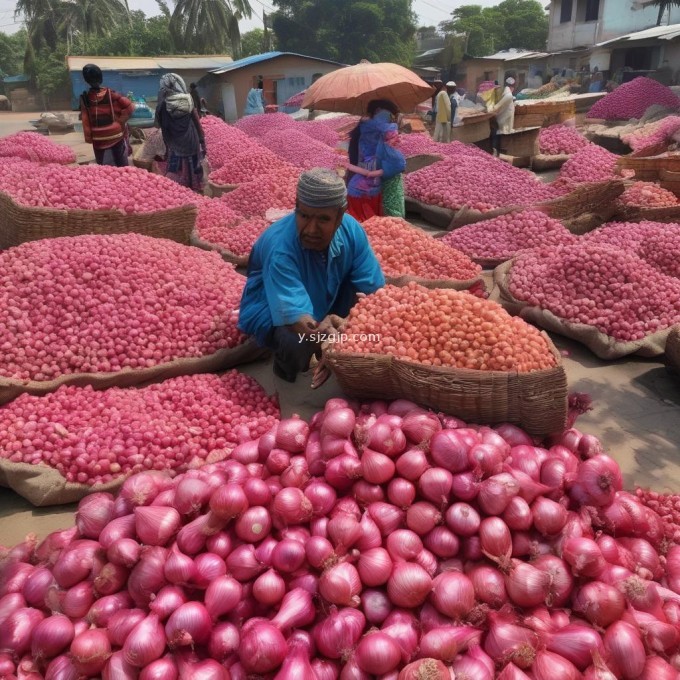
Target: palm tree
<point x="663" y="5"/>
<point x="204" y="25"/>
<point x="91" y="18"/>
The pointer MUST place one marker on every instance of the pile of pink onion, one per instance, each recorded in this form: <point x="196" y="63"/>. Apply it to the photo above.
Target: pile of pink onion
<point x="592" y="163"/>
<point x="652" y="134"/>
<point x="247" y="165"/>
<point x="381" y="541"/>
<point x="224" y="141"/>
<point x="560" y="139"/>
<point x="92" y="437"/>
<point x="237" y="238"/>
<point x="274" y="190"/>
<point x="481" y="183"/>
<point x="611" y="289"/>
<point x="648" y="195"/>
<point x="261" y="124"/>
<point x="501" y="237"/>
<point x="32" y="146"/>
<point x="299" y="149"/>
<point x="98" y="304"/>
<point x="633" y="98"/>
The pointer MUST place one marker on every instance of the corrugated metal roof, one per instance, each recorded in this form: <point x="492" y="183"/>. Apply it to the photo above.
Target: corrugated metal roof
<point x="656" y="33"/>
<point x="149" y="63"/>
<point x="515" y="55"/>
<point x="266" y="56"/>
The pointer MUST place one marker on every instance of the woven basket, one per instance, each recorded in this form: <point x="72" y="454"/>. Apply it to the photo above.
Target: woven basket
<point x="544" y="113"/>
<point x="649" y="169"/>
<point x="536" y="401"/>
<point x="216" y="190"/>
<point x="221" y="360"/>
<point x="543" y="162"/>
<point x="673" y="349"/>
<point x="19" y="224"/>
<point x="452" y="284"/>
<point x="227" y="256"/>
<point x="420" y="161"/>
<point x="671" y="181"/>
<point x="591" y="197"/>
<point x="635" y="214"/>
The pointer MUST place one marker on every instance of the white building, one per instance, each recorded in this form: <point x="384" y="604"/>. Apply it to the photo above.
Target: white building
<point x="591" y="33"/>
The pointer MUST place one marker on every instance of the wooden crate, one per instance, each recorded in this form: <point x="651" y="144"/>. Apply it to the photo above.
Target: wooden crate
<point x="521" y="143"/>
<point x="544" y="113"/>
<point x="474" y="129"/>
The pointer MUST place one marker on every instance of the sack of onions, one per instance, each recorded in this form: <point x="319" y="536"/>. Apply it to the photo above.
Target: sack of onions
<point x="439" y="346"/>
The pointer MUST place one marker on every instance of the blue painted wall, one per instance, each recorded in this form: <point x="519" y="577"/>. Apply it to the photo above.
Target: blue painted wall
<point x="141" y="86"/>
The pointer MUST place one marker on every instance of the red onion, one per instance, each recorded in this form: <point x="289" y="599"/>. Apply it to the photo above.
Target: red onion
<point x="496" y="492"/>
<point x="442" y="542"/>
<point x="117" y="668"/>
<point x="420" y="427"/>
<point x="453" y="594"/>
<point x="179" y="569"/>
<point x="191" y="668"/>
<point x="338" y="423"/>
<point x="388" y="517"/>
<point x="449" y="449"/>
<point x="435" y="485"/>
<point x="61" y="668"/>
<point x="253" y="525"/>
<point x="527" y="586"/>
<point x="105" y="607"/>
<point x="124" y="552"/>
<point x="576" y="643"/>
<point x="147" y="578"/>
<point x="145" y="642"/>
<point x="496" y="541"/>
<point x="377" y="468"/>
<point x="262" y="648"/>
<point x="122" y="623"/>
<point x="376" y="605"/>
<point x="489" y="585"/>
<point x="90" y="651"/>
<point x="224" y="641"/>
<point x="291" y="434"/>
<point x="296" y="665"/>
<point x="465" y="666"/>
<point x="659" y="637"/>
<point x="658" y="669"/>
<point x="191" y="495"/>
<point x="486" y="459"/>
<point x="75" y="562"/>
<point x="337" y="634"/>
<point x="161" y="669"/>
<point x="411" y="465"/>
<point x="167" y="600"/>
<point x="425" y="668"/>
<point x="344" y="531"/>
<point x="229" y="501"/>
<point x="404" y="629"/>
<point x="189" y="624"/>
<point x="17" y="629"/>
<point x="242" y="563"/>
<point x="375" y="567"/>
<point x="597" y="480"/>
<point x="422" y="518"/>
<point x="403" y="545"/>
<point x="318" y="551"/>
<point x="549" y="516"/>
<point x="549" y="666"/>
<point x="386" y="437"/>
<point x="111" y="579"/>
<point x="584" y="556"/>
<point x="507" y="642"/>
<point x="517" y="515"/>
<point x="296" y="610"/>
<point x="51" y="637"/>
<point x="401" y="492"/>
<point x="324" y="670"/>
<point x="340" y="584"/>
<point x="322" y="497"/>
<point x="409" y="585"/>
<point x="625" y="649"/>
<point x="463" y="519"/>
<point x="447" y="642"/>
<point x="94" y="513"/>
<point x="36" y="586"/>
<point x="268" y="589"/>
<point x="377" y="653"/>
<point x="208" y="567"/>
<point x="561" y="582"/>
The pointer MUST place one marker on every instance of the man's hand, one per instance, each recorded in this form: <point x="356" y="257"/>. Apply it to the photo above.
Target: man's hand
<point x="305" y="324"/>
<point x="331" y="323"/>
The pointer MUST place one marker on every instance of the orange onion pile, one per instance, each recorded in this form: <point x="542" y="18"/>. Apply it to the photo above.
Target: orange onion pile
<point x="238" y="237"/>
<point x="276" y="190"/>
<point x="32" y="146"/>
<point x="614" y="290"/>
<point x="482" y="183"/>
<point x="224" y="141"/>
<point x="501" y="237"/>
<point x="591" y="164"/>
<point x="444" y="327"/>
<point x="648" y="195"/>
<point x="98" y="304"/>
<point x="560" y="139"/>
<point x="301" y="150"/>
<point x="404" y="250"/>
<point x="245" y="166"/>
<point x="377" y="540"/>
<point x="93" y="437"/>
<point x="632" y="99"/>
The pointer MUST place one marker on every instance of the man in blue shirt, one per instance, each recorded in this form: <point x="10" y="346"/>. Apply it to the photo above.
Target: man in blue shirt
<point x="304" y="272"/>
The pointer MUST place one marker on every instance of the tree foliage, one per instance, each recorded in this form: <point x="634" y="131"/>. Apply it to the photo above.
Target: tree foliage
<point x="142" y="37"/>
<point x="254" y="42"/>
<point x="347" y="30"/>
<point x="12" y="49"/>
<point x="664" y="5"/>
<point x="521" y="24"/>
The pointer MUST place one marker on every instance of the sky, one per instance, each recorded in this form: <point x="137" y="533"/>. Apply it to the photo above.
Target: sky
<point x="430" y="12"/>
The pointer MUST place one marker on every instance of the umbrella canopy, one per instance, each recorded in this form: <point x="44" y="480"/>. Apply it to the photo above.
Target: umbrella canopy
<point x="350" y="89"/>
<point x="295" y="100"/>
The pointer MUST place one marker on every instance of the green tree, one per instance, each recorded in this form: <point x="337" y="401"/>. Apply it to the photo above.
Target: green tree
<point x="522" y="24"/>
<point x="204" y="26"/>
<point x="347" y="30"/>
<point x="142" y="37"/>
<point x="12" y="49"/>
<point x="51" y="74"/>
<point x="664" y="5"/>
<point x="252" y="42"/>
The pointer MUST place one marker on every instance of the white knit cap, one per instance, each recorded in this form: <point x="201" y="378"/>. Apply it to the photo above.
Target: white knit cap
<point x="321" y="188"/>
<point x="509" y="81"/>
<point x="451" y="83"/>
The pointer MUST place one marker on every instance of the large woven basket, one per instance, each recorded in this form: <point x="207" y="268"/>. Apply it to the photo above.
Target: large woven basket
<point x="536" y="401"/>
<point x="650" y="168"/>
<point x="673" y="349"/>
<point x="592" y="197"/>
<point x="476" y="284"/>
<point x="19" y="224"/>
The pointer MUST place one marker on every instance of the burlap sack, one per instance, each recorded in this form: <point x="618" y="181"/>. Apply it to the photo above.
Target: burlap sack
<point x="227" y="256"/>
<point x="221" y="360"/>
<point x="42" y="485"/>
<point x="600" y="344"/>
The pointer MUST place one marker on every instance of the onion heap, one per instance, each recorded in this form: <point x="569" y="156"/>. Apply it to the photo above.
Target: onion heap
<point x="224" y="141"/>
<point x="500" y="238"/>
<point x="92" y="437"/>
<point x="404" y="250"/>
<point x="560" y="139"/>
<point x="421" y="143"/>
<point x="650" y="135"/>
<point x="647" y="195"/>
<point x="481" y="183"/>
<point x="98" y="304"/>
<point x="32" y="146"/>
<point x="375" y="540"/>
<point x="317" y="130"/>
<point x="299" y="149"/>
<point x="261" y="124"/>
<point x="591" y="164"/>
<point x="667" y="507"/>
<point x="245" y="166"/>
<point x="614" y="290"/>
<point x="632" y="99"/>
<point x="276" y="190"/>
<point x="237" y="238"/>
<point x="444" y="327"/>
<point x="655" y="242"/>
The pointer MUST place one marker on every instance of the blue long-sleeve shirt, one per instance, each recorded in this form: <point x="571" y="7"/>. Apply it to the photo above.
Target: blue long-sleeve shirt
<point x="287" y="281"/>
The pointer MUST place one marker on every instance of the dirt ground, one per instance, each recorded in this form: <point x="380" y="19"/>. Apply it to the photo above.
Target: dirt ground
<point x="636" y="408"/>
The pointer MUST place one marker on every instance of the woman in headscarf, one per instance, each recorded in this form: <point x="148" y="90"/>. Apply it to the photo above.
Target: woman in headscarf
<point x="180" y="125"/>
<point x="364" y="197"/>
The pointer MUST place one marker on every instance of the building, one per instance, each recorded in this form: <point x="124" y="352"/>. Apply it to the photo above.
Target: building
<point x="525" y="66"/>
<point x="141" y="75"/>
<point x="283" y="75"/>
<point x="581" y="34"/>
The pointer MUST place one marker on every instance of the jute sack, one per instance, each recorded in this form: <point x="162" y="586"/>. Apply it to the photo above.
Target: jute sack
<point x="227" y="255"/>
<point x="452" y="219"/>
<point x="673" y="348"/>
<point x="469" y="284"/>
<point x="221" y="360"/>
<point x="42" y="485"/>
<point x="602" y="345"/>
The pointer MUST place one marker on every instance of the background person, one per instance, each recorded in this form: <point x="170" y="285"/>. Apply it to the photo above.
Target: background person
<point x="182" y="133"/>
<point x="442" y="127"/>
<point x="196" y="98"/>
<point x="504" y="112"/>
<point x="255" y="100"/>
<point x="104" y="113"/>
<point x="304" y="274"/>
